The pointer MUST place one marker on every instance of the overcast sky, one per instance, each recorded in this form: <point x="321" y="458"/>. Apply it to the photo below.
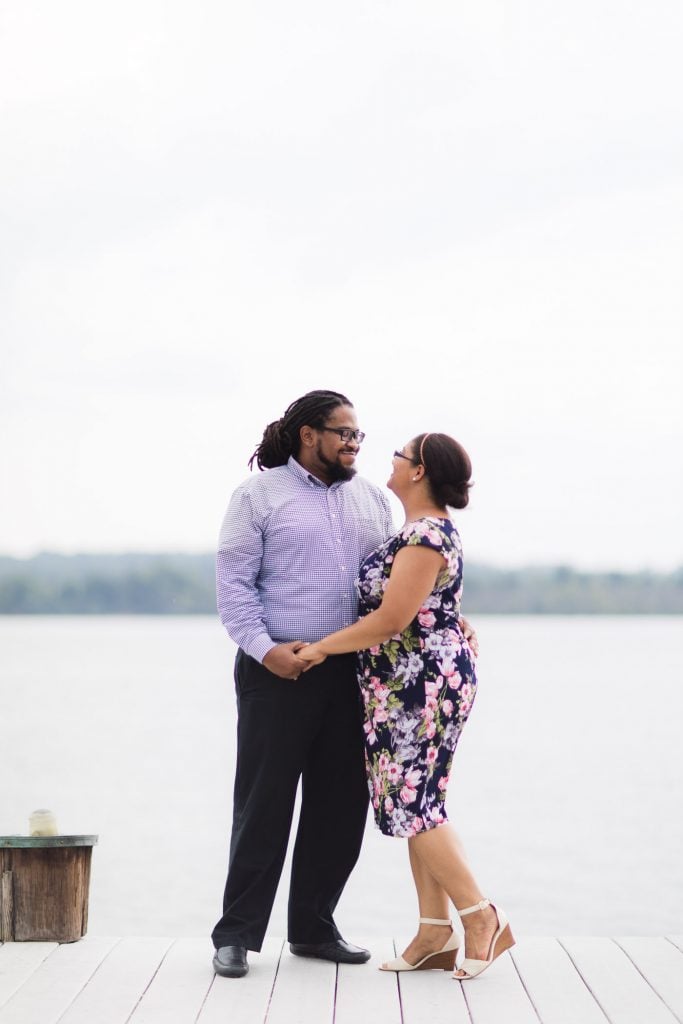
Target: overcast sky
<point x="467" y="217"/>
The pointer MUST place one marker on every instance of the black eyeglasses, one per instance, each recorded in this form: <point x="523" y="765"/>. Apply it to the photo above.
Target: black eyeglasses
<point x="400" y="455"/>
<point x="346" y="433"/>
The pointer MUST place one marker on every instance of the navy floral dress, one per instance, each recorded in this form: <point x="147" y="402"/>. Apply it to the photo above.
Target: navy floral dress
<point x="417" y="688"/>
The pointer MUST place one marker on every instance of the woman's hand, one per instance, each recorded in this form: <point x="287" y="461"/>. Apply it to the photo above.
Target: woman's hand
<point x="469" y="633"/>
<point x="312" y="654"/>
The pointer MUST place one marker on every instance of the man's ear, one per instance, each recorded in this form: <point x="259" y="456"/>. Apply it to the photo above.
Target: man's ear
<point x="307" y="436"/>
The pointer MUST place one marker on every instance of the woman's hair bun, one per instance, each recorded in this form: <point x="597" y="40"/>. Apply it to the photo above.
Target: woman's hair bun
<point x="455" y="495"/>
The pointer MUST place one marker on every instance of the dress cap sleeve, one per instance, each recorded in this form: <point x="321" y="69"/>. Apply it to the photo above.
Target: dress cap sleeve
<point x="427" y="533"/>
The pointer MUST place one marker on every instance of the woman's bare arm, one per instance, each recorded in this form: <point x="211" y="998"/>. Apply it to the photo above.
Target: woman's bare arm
<point x="413" y="575"/>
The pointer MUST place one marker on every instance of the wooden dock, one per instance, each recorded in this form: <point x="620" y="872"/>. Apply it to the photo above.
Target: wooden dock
<point x="170" y="981"/>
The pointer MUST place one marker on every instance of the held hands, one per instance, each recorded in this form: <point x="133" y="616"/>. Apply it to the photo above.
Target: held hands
<point x="312" y="654"/>
<point x="284" y="661"/>
<point x="289" y="660"/>
<point x="470" y="635"/>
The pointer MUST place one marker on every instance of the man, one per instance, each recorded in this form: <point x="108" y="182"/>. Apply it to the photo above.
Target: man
<point x="291" y="544"/>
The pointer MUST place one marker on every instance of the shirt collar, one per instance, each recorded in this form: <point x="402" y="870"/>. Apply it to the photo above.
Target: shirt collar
<point x="295" y="467"/>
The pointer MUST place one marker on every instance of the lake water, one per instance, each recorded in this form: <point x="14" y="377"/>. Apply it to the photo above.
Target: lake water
<point x="567" y="786"/>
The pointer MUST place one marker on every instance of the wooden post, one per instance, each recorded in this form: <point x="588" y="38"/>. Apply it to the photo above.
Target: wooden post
<point x="44" y="887"/>
<point x="6" y="907"/>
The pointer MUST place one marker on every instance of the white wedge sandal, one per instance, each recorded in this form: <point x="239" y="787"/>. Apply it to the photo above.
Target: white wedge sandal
<point x="442" y="960"/>
<point x="501" y="941"/>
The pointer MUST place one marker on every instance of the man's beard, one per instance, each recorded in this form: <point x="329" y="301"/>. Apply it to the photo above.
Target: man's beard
<point x="335" y="469"/>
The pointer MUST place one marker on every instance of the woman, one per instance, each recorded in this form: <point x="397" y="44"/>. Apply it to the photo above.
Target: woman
<point x="418" y="681"/>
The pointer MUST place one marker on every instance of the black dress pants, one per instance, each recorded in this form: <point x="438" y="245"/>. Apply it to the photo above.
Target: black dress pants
<point x="287" y="729"/>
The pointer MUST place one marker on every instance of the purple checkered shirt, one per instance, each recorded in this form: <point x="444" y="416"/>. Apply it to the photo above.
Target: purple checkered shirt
<point x="289" y="552"/>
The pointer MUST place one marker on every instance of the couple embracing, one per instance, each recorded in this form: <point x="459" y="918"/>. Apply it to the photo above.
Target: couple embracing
<point x="347" y="704"/>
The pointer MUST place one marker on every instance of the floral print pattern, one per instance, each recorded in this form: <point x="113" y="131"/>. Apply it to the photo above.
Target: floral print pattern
<point x="417" y="688"/>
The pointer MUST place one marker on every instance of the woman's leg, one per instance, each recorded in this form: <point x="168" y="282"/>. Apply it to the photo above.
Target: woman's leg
<point x="433" y="901"/>
<point x="440" y="855"/>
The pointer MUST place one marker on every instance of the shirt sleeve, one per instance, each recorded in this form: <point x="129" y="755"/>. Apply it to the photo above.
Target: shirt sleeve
<point x="238" y="563"/>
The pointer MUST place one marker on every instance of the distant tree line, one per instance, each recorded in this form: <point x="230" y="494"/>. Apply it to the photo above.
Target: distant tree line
<point x="136" y="584"/>
<point x="172" y="584"/>
<point x="564" y="591"/>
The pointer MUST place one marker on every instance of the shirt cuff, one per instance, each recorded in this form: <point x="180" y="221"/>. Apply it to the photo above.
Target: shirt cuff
<point x="259" y="647"/>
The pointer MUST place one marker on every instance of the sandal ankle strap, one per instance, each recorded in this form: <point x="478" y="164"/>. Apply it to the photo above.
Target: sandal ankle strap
<point x="481" y="905"/>
<point x="435" y="920"/>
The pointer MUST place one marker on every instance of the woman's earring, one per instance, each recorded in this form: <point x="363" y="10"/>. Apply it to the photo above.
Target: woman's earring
<point x="415" y="479"/>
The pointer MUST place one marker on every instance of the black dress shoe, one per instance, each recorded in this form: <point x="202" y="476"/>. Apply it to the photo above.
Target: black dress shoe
<point x="338" y="951"/>
<point x="231" y="961"/>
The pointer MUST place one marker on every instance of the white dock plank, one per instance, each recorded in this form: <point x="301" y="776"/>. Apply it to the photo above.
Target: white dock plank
<point x="623" y="994"/>
<point x="430" y="995"/>
<point x="179" y="987"/>
<point x="244" y="999"/>
<point x="662" y="965"/>
<point x="364" y="993"/>
<point x="499" y="991"/>
<point x="18" y="961"/>
<point x="303" y="992"/>
<point x="119" y="983"/>
<point x="569" y="981"/>
<point x="555" y="987"/>
<point x="55" y="984"/>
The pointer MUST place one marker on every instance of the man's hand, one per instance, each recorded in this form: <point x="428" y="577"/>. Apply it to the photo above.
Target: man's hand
<point x="470" y="635"/>
<point x="282" y="660"/>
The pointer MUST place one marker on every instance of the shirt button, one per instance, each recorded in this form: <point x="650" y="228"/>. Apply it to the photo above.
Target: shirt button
<point x="343" y="568"/>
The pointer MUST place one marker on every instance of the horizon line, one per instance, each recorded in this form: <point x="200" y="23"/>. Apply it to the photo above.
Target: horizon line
<point x="501" y="567"/>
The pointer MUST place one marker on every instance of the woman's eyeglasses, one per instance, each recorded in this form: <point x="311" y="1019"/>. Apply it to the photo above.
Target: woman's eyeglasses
<point x="400" y="455"/>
